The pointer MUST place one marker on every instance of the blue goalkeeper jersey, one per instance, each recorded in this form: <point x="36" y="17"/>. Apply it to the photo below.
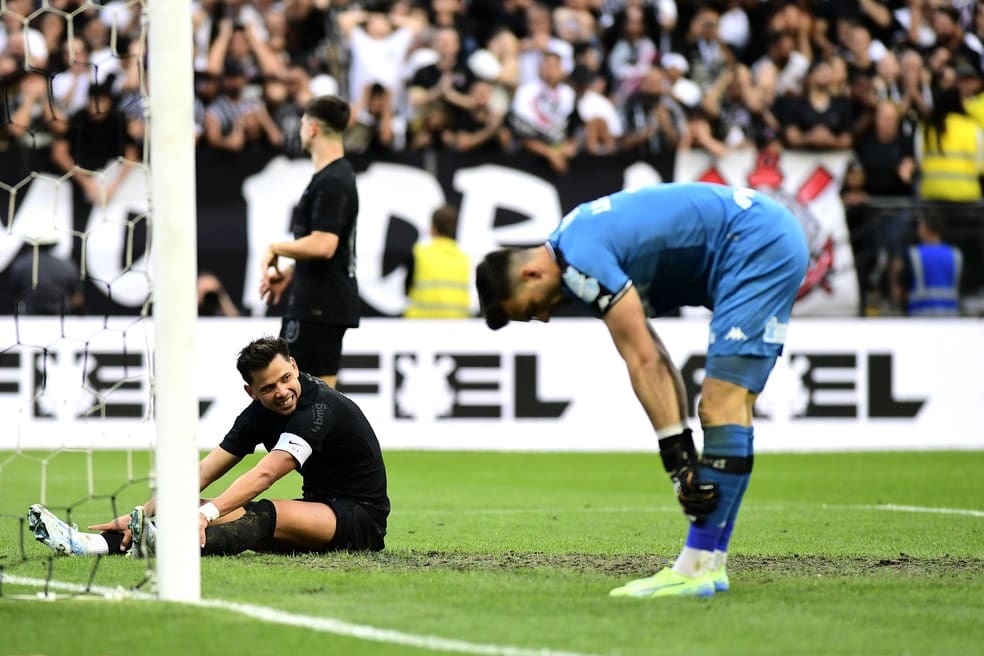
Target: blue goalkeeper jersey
<point x="674" y="242"/>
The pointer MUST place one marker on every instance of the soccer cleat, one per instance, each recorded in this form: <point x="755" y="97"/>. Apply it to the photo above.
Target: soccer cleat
<point x="56" y="534"/>
<point x="667" y="583"/>
<point x="720" y="579"/>
<point x="143" y="533"/>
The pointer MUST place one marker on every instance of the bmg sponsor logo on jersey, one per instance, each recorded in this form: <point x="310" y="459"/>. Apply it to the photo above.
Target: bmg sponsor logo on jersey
<point x="451" y="386"/>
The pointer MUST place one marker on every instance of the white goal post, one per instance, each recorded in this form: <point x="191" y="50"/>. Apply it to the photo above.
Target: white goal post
<point x="174" y="245"/>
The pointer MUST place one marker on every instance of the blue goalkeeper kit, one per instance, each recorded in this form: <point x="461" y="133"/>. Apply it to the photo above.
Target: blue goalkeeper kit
<point x="734" y="251"/>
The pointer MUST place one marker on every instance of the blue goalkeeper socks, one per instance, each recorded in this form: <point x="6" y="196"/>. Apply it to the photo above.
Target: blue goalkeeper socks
<point x="730" y="446"/>
<point x="733" y="444"/>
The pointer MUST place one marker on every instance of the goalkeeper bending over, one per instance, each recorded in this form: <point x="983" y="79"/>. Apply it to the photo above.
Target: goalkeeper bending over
<point x="304" y="425"/>
<point x="637" y="254"/>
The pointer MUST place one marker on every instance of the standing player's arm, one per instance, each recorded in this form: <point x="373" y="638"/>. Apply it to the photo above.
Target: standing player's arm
<point x="317" y="245"/>
<point x="659" y="386"/>
<point x="655" y="379"/>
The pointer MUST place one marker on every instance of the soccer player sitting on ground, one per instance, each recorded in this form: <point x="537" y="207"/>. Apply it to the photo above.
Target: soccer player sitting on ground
<point x="638" y="254"/>
<point x="305" y="425"/>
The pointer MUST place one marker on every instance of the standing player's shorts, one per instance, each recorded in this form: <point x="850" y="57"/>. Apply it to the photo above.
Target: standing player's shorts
<point x="760" y="274"/>
<point x="355" y="529"/>
<point x="317" y="347"/>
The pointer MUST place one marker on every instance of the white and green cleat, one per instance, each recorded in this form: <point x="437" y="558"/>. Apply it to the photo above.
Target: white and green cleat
<point x="59" y="536"/>
<point x="720" y="579"/>
<point x="143" y="534"/>
<point x="667" y="583"/>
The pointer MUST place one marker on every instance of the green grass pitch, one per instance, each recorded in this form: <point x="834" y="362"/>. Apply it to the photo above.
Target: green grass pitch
<point x="496" y="553"/>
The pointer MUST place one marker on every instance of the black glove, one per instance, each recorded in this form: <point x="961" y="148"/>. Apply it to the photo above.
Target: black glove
<point x="698" y="498"/>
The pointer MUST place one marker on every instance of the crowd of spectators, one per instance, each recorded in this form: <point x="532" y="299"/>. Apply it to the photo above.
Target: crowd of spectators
<point x="552" y="77"/>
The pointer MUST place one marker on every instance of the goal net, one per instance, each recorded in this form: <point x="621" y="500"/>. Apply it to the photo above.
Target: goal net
<point x="88" y="228"/>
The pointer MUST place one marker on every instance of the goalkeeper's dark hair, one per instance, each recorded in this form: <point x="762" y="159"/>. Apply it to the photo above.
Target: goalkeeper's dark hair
<point x="493" y="280"/>
<point x="331" y="111"/>
<point x="258" y="355"/>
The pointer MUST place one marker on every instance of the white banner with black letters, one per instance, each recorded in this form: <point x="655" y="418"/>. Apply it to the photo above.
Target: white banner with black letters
<point x="841" y="385"/>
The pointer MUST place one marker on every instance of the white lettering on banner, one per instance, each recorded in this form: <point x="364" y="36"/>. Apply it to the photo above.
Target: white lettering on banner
<point x="638" y="175"/>
<point x="426" y="392"/>
<point x="46" y="206"/>
<point x="109" y="245"/>
<point x="841" y="385"/>
<point x="113" y="256"/>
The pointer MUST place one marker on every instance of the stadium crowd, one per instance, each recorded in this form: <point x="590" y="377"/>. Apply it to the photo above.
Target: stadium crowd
<point x="556" y="78"/>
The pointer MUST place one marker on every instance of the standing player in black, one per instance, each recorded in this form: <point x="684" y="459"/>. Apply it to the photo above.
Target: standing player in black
<point x="305" y="426"/>
<point x="322" y="292"/>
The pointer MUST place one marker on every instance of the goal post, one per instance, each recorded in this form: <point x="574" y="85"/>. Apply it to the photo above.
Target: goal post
<point x="172" y="166"/>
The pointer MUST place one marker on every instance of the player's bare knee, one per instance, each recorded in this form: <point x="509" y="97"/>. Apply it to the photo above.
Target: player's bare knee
<point x="722" y="403"/>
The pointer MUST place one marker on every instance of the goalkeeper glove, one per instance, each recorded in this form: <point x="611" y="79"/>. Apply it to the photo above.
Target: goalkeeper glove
<point x="698" y="498"/>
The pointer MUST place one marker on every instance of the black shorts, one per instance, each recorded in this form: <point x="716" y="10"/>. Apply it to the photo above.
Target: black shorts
<point x="317" y="347"/>
<point x="355" y="529"/>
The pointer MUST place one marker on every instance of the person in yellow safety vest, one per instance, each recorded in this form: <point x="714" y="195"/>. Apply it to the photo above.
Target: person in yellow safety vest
<point x="950" y="150"/>
<point x="439" y="276"/>
<point x="927" y="282"/>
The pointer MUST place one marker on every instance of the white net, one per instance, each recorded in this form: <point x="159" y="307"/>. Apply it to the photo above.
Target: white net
<point x="76" y="241"/>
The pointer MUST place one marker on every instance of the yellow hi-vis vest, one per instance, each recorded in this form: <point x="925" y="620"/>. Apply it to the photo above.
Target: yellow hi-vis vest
<point x="950" y="172"/>
<point x="441" y="274"/>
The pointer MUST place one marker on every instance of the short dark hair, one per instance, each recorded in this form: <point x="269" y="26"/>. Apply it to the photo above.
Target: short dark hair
<point x="330" y="110"/>
<point x="445" y="221"/>
<point x="494" y="285"/>
<point x="934" y="223"/>
<point x="258" y="355"/>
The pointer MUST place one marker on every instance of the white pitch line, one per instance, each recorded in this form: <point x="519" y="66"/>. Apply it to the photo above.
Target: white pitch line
<point x="771" y="507"/>
<point x="529" y="511"/>
<point x="323" y="624"/>
<point x="922" y="509"/>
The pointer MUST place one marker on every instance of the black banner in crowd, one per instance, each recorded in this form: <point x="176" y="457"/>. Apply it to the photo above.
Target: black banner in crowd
<point x="224" y="216"/>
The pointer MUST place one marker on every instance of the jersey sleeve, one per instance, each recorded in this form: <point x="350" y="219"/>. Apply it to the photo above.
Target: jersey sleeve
<point x="597" y="282"/>
<point x="244" y="436"/>
<point x="332" y="206"/>
<point x="590" y="272"/>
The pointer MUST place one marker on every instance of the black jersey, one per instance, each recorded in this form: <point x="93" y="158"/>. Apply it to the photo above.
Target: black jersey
<point x="322" y="290"/>
<point x="346" y="460"/>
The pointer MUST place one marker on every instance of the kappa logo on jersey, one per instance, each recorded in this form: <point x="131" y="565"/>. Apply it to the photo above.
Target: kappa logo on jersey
<point x="735" y="334"/>
<point x="584" y="287"/>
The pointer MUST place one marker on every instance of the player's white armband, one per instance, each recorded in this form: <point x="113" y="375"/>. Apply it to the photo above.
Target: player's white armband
<point x="295" y="446"/>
